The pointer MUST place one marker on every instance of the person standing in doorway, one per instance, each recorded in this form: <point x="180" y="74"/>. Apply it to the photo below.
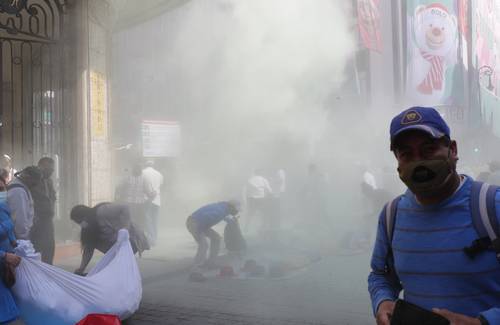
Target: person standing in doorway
<point x="155" y="178"/>
<point x="44" y="198"/>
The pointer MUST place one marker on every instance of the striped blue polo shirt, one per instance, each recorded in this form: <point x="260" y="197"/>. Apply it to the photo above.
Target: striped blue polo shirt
<point x="431" y="267"/>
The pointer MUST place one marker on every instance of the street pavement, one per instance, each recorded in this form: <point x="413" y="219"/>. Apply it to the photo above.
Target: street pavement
<point x="326" y="289"/>
<point x="320" y="286"/>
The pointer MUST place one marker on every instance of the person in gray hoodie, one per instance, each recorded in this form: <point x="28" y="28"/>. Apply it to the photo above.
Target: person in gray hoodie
<point x="20" y="201"/>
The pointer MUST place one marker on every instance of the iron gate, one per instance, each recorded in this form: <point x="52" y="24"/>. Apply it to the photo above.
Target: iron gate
<point x="31" y="70"/>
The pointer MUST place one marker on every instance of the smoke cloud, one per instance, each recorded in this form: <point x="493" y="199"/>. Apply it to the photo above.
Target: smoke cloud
<point x="249" y="81"/>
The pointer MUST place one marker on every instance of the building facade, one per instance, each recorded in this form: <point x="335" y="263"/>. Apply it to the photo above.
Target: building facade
<point x="54" y="97"/>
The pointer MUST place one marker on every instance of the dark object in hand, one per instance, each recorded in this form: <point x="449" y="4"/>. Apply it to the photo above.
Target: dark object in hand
<point x="81" y="273"/>
<point x="406" y="313"/>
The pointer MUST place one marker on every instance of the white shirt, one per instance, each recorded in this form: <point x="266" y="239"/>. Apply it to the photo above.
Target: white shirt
<point x="258" y="187"/>
<point x="155" y="178"/>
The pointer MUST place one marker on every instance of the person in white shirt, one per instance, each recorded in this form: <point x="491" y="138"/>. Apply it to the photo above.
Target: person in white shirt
<point x="136" y="191"/>
<point x="257" y="193"/>
<point x="155" y="178"/>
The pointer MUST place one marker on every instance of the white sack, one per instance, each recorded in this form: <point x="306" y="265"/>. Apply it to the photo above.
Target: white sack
<point x="46" y="294"/>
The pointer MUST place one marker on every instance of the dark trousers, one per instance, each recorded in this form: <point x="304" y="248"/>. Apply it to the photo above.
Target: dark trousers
<point x="42" y="237"/>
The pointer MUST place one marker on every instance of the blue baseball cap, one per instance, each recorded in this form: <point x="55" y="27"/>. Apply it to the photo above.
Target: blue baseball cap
<point x="426" y="119"/>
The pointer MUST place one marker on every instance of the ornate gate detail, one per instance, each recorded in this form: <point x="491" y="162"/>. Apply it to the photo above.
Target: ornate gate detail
<point x="31" y="70"/>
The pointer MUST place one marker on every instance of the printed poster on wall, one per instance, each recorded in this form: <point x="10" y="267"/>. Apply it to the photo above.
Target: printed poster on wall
<point x="161" y="138"/>
<point x="98" y="104"/>
<point x="432" y="51"/>
<point x="486" y="50"/>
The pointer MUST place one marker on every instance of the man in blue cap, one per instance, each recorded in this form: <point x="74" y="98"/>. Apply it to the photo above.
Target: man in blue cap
<point x="420" y="251"/>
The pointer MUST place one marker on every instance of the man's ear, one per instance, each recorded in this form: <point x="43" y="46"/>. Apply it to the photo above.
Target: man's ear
<point x="454" y="149"/>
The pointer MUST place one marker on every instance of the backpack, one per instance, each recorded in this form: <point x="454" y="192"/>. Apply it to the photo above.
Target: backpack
<point x="17" y="185"/>
<point x="484" y="219"/>
<point x="233" y="237"/>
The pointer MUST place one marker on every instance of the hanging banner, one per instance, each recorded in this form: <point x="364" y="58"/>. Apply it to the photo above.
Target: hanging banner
<point x="161" y="138"/>
<point x="463" y="29"/>
<point x="369" y="24"/>
<point x="486" y="50"/>
<point x="98" y="106"/>
<point x="432" y="51"/>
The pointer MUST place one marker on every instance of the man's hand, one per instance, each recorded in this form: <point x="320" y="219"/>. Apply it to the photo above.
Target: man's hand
<point x="80" y="272"/>
<point x="384" y="312"/>
<point x="12" y="259"/>
<point x="456" y="319"/>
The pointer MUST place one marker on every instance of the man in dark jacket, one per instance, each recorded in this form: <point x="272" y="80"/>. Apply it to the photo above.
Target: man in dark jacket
<point x="100" y="226"/>
<point x="44" y="199"/>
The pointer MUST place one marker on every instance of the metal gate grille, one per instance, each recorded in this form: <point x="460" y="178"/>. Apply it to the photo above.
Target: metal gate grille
<point x="31" y="71"/>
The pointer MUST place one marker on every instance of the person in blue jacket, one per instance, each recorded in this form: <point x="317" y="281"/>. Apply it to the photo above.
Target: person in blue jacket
<point x="200" y="224"/>
<point x="8" y="309"/>
<point x="433" y="223"/>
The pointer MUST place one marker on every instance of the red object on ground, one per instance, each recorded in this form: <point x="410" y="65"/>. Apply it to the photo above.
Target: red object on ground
<point x="226" y="271"/>
<point x="100" y="319"/>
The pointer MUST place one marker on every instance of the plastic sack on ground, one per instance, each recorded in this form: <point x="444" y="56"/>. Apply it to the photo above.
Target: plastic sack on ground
<point x="46" y="294"/>
<point x="233" y="238"/>
<point x="100" y="319"/>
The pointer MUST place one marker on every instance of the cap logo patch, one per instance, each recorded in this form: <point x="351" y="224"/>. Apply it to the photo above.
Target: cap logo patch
<point x="411" y="117"/>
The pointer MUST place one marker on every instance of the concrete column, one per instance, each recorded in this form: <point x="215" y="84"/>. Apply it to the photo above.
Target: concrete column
<point x="93" y="154"/>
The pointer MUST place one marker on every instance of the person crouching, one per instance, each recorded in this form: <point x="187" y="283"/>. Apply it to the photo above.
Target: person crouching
<point x="100" y="226"/>
<point x="200" y="224"/>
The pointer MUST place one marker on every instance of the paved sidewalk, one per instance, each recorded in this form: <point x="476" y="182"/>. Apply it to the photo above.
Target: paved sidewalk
<point x="171" y="315"/>
<point x="332" y="291"/>
<point x="319" y="288"/>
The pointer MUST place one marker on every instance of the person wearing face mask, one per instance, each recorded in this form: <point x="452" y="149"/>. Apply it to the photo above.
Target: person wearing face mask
<point x="8" y="309"/>
<point x="44" y="199"/>
<point x="424" y="257"/>
<point x="100" y="226"/>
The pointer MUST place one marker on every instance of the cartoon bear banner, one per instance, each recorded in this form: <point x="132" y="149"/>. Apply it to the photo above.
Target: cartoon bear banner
<point x="432" y="52"/>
